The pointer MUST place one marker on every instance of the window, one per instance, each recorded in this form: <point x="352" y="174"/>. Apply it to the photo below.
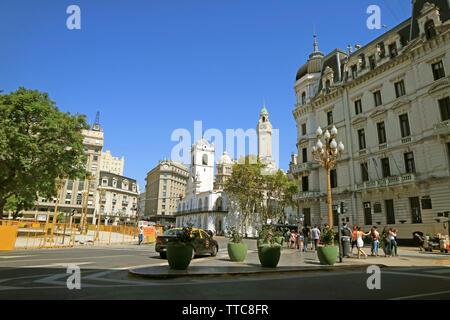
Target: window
<point x="438" y="70"/>
<point x="404" y="125"/>
<point x="303" y="98"/>
<point x="365" y="171"/>
<point x="330" y="117"/>
<point x="377" y="98"/>
<point x="95" y="158"/>
<point x="354" y="71"/>
<point x="333" y="178"/>
<point x="307" y="216"/>
<point x="304" y="129"/>
<point x="385" y="167"/>
<point x="358" y="106"/>
<point x="372" y="62"/>
<point x="305" y="183"/>
<point x="70" y="185"/>
<point x="381" y="132"/>
<point x="205" y="160"/>
<point x="426" y="202"/>
<point x="390" y="214"/>
<point x="305" y="154"/>
<point x="444" y="106"/>
<point x="409" y="162"/>
<point x="400" y="88"/>
<point x="430" y="31"/>
<point x="367" y="213"/>
<point x="393" y="50"/>
<point x="416" y="214"/>
<point x="361" y="139"/>
<point x="81" y="185"/>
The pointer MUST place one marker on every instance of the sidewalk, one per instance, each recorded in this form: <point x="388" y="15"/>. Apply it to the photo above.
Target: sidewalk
<point x="292" y="260"/>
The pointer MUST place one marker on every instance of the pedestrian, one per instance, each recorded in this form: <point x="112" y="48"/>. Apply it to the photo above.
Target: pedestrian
<point x="141" y="235"/>
<point x="385" y="236"/>
<point x="315" y="234"/>
<point x="360" y="242"/>
<point x="306" y="235"/>
<point x="354" y="236"/>
<point x="287" y="236"/>
<point x="293" y="238"/>
<point x="300" y="239"/>
<point x="421" y="241"/>
<point x="375" y="236"/>
<point x="393" y="242"/>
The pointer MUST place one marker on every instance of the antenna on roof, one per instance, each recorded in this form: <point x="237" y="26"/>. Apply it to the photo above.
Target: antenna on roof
<point x="96" y="126"/>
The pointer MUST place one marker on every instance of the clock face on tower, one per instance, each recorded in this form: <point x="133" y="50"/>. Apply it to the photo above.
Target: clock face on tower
<point x="165" y="166"/>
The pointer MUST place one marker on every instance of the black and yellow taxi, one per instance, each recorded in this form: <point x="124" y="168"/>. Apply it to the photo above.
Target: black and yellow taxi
<point x="202" y="240"/>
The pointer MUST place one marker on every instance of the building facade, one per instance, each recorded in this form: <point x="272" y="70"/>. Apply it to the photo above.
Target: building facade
<point x="117" y="199"/>
<point x="112" y="164"/>
<point x="164" y="184"/>
<point x="76" y="196"/>
<point x="390" y="102"/>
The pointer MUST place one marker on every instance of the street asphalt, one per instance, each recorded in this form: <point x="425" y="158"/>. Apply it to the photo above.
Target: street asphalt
<point x="43" y="274"/>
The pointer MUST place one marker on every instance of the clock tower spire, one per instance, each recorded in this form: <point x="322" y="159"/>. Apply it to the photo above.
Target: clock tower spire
<point x="264" y="130"/>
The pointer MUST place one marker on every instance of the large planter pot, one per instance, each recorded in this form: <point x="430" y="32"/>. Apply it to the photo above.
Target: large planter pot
<point x="179" y="255"/>
<point x="237" y="251"/>
<point x="269" y="255"/>
<point x="327" y="255"/>
<point x="279" y="240"/>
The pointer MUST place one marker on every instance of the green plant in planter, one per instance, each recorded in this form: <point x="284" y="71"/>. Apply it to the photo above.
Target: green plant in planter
<point x="269" y="252"/>
<point x="327" y="252"/>
<point x="180" y="249"/>
<point x="237" y="249"/>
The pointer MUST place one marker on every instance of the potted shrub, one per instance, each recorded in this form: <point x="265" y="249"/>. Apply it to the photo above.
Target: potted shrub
<point x="327" y="252"/>
<point x="180" y="250"/>
<point x="237" y="249"/>
<point x="269" y="252"/>
<point x="279" y="238"/>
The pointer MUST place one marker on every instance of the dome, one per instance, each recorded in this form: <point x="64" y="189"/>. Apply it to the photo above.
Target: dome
<point x="225" y="159"/>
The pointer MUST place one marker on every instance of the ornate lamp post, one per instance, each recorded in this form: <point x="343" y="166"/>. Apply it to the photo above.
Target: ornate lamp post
<point x="327" y="154"/>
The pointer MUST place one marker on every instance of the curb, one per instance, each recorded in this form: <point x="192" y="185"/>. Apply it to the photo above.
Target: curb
<point x="268" y="271"/>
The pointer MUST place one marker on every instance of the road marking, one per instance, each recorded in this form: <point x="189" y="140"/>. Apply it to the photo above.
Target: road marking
<point x="12" y="257"/>
<point x="416" y="275"/>
<point x="74" y="258"/>
<point x="421" y="295"/>
<point x="57" y="264"/>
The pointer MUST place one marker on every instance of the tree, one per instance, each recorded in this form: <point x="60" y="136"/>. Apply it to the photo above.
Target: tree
<point x="245" y="187"/>
<point x="38" y="144"/>
<point x="279" y="193"/>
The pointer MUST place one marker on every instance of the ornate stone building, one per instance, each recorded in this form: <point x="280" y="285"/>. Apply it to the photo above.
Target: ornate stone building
<point x="164" y="184"/>
<point x="390" y="102"/>
<point x="112" y="164"/>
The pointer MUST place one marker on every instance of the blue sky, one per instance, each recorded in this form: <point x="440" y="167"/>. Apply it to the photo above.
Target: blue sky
<point x="152" y="66"/>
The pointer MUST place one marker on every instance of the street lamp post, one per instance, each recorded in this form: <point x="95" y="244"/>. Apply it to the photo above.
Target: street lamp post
<point x="327" y="154"/>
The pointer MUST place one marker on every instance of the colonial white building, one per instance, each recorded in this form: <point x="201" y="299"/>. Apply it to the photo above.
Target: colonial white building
<point x="206" y="205"/>
<point x="390" y="102"/>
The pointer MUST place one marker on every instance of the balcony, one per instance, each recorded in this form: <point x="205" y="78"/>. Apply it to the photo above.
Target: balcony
<point x="442" y="127"/>
<point x="387" y="182"/>
<point x="304" y="166"/>
<point x="305" y="195"/>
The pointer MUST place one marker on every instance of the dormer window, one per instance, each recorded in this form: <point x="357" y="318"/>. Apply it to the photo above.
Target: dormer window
<point x="393" y="50"/>
<point x="430" y="30"/>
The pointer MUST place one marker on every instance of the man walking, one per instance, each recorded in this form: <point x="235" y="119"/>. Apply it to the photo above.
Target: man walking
<point x="315" y="233"/>
<point x="306" y="234"/>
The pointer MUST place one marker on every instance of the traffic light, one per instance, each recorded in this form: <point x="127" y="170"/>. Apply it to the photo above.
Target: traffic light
<point x="344" y="207"/>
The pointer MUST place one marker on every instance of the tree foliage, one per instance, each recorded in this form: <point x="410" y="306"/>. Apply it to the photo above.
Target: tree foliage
<point x="38" y="144"/>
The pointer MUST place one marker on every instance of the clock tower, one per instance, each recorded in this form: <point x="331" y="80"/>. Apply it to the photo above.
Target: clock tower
<point x="264" y="130"/>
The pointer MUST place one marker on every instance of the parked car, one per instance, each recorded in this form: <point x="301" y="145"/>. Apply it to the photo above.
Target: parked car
<point x="203" y="242"/>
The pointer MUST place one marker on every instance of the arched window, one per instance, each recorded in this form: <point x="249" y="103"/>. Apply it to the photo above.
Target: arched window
<point x="430" y="31"/>
<point x="263" y="119"/>
<point x="200" y="203"/>
<point x="205" y="159"/>
<point x="219" y="204"/>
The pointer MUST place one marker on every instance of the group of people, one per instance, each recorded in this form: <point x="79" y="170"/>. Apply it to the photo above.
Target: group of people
<point x="306" y="236"/>
<point x="388" y="237"/>
<point x="300" y="240"/>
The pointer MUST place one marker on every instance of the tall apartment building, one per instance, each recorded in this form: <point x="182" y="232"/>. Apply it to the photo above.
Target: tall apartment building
<point x="112" y="164"/>
<point x="164" y="184"/>
<point x="72" y="196"/>
<point x="390" y="102"/>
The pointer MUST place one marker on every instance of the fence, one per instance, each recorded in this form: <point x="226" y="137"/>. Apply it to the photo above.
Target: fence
<point x="27" y="235"/>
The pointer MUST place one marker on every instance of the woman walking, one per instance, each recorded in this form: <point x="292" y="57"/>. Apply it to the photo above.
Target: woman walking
<point x="375" y="236"/>
<point x="354" y="237"/>
<point x="360" y="242"/>
<point x="392" y="242"/>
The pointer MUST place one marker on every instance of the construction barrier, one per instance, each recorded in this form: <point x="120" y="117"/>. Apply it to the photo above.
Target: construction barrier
<point x="27" y="235"/>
